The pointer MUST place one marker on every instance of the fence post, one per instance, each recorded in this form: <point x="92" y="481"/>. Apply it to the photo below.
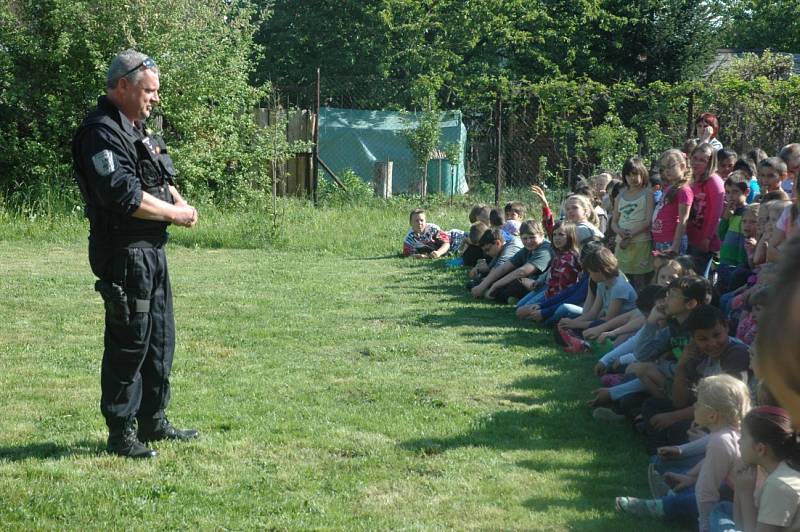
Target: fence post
<point x="499" y="125"/>
<point x="315" y="148"/>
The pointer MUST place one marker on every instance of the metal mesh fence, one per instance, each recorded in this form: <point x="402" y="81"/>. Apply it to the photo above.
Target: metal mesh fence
<point x="528" y="140"/>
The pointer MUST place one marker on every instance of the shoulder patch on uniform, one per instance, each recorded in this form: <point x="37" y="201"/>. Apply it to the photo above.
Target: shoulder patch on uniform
<point x="103" y="162"/>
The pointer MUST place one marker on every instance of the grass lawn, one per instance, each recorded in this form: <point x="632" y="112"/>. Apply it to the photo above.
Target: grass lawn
<point x="336" y="387"/>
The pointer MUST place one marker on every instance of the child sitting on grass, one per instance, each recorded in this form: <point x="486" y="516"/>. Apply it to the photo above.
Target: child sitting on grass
<point x="473" y="252"/>
<point x="516" y="278"/>
<point x="747" y="328"/>
<point x="495" y="246"/>
<point x="722" y="402"/>
<point x="770" y="443"/>
<point x="424" y="240"/>
<point x="564" y="269"/>
<point x="778" y="341"/>
<point x="514" y="213"/>
<point x="711" y="352"/>
<point x="614" y="296"/>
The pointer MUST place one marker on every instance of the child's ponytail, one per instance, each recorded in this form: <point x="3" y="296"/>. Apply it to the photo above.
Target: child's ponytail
<point x="772" y="426"/>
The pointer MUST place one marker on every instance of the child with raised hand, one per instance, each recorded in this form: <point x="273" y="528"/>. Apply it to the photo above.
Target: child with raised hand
<point x="672" y="212"/>
<point x="563" y="273"/>
<point x="548" y="221"/>
<point x="633" y="213"/>
<point x="768" y="442"/>
<point x="722" y="401"/>
<point x="614" y="296"/>
<point x="579" y="211"/>
<point x="709" y="194"/>
<point x="424" y="240"/>
<point x="517" y="277"/>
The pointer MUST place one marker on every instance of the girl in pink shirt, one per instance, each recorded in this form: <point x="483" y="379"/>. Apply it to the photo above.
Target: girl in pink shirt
<point x="672" y="211"/>
<point x="709" y="195"/>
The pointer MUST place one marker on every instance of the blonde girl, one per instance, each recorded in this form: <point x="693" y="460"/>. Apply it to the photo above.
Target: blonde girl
<point x="722" y="401"/>
<point x="672" y="212"/>
<point x="580" y="211"/>
<point x="632" y="217"/>
<point x="709" y="195"/>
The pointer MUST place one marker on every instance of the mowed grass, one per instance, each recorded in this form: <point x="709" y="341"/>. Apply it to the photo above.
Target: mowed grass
<point x="336" y="386"/>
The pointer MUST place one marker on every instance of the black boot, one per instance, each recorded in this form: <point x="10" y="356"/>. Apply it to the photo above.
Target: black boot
<point x="122" y="441"/>
<point x="162" y="429"/>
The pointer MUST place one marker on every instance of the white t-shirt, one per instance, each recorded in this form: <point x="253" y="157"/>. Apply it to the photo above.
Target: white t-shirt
<point x="780" y="498"/>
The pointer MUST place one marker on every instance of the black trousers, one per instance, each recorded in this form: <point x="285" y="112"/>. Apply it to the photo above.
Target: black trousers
<point x="673" y="435"/>
<point x="513" y="289"/>
<point x="472" y="255"/>
<point x="137" y="356"/>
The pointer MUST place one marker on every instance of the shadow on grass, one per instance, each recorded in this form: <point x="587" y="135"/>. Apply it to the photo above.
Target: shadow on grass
<point x="51" y="451"/>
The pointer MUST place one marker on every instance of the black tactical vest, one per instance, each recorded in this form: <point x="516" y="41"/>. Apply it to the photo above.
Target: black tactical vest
<point x="154" y="169"/>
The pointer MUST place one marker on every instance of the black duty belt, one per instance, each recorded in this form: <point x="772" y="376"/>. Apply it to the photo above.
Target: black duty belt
<point x="138" y="241"/>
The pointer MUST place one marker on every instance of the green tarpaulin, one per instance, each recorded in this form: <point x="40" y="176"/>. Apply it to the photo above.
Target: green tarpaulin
<point x="356" y="139"/>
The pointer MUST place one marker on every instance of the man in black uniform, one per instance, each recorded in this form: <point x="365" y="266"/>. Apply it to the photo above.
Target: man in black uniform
<point x="126" y="179"/>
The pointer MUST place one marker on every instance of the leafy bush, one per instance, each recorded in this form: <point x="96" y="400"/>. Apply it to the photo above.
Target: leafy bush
<point x="356" y="191"/>
<point x="53" y="62"/>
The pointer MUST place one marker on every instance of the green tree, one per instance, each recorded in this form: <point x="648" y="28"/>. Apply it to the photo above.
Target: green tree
<point x="54" y="56"/>
<point x="761" y="24"/>
<point x="651" y="40"/>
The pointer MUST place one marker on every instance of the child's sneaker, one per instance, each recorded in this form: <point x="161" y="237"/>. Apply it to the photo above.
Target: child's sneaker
<point x="455" y="263"/>
<point x="609" y="380"/>
<point x="658" y="486"/>
<point x="572" y="344"/>
<point x="640" y="507"/>
<point x="602" y="413"/>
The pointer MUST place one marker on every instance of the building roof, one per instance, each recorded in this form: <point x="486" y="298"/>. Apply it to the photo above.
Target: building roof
<point x="725" y="56"/>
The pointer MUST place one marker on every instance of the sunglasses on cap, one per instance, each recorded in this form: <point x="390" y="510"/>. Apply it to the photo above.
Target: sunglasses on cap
<point x="147" y="63"/>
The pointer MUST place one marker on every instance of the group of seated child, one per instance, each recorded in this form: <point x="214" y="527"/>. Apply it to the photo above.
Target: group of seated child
<point x="663" y="274"/>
